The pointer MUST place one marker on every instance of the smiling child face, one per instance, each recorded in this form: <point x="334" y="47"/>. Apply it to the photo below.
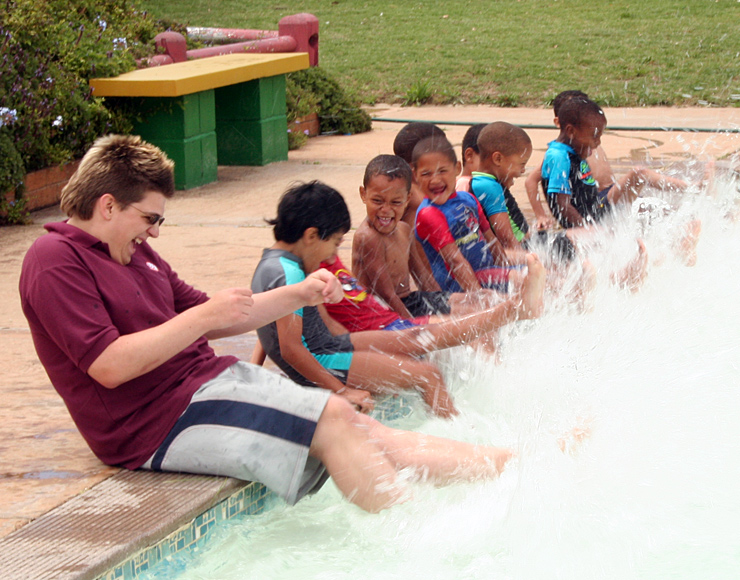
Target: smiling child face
<point x="514" y="165"/>
<point x="385" y="200"/>
<point x="436" y="174"/>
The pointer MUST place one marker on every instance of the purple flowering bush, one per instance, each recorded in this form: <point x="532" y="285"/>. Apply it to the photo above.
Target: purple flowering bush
<point x="49" y="50"/>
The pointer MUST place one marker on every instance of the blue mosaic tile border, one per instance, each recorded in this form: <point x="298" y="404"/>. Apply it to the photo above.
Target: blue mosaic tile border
<point x="252" y="499"/>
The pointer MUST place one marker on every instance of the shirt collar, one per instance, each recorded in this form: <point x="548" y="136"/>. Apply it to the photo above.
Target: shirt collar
<point x="76" y="235"/>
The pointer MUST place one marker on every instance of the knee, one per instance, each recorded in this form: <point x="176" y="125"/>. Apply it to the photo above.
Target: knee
<point x="638" y="174"/>
<point x="338" y="409"/>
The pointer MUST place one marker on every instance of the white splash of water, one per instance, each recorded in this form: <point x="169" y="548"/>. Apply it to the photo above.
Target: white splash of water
<point x="650" y="494"/>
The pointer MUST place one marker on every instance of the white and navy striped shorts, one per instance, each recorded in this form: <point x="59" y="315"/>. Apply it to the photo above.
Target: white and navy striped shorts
<point x="252" y="424"/>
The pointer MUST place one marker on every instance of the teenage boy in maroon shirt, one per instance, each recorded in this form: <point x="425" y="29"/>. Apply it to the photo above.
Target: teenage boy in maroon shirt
<point x="125" y="343"/>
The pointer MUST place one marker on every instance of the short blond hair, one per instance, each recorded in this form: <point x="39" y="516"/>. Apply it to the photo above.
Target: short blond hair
<point x="503" y="137"/>
<point x="124" y="166"/>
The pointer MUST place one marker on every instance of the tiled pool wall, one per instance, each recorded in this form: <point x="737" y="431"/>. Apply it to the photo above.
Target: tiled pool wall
<point x="253" y="498"/>
<point x="249" y="500"/>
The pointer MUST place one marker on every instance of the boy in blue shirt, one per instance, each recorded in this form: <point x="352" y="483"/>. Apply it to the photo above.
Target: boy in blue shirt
<point x="572" y="192"/>
<point x="631" y="182"/>
<point x="504" y="151"/>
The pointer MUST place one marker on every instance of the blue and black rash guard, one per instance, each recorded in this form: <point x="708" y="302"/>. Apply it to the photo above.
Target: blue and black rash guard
<point x="564" y="172"/>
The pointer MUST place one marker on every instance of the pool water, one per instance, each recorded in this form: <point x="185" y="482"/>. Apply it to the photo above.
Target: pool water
<point x="652" y="493"/>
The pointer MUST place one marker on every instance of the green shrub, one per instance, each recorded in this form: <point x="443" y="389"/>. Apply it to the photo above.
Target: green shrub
<point x="300" y="102"/>
<point x="49" y="50"/>
<point x="338" y="112"/>
<point x="11" y="177"/>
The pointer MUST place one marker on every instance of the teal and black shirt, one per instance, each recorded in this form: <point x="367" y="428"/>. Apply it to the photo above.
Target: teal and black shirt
<point x="281" y="268"/>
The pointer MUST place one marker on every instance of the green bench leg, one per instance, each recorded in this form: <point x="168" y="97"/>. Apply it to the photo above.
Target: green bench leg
<point x="184" y="128"/>
<point x="250" y="122"/>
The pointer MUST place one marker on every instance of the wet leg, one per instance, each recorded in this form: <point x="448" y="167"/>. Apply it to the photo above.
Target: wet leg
<point x="442" y="460"/>
<point x="686" y="244"/>
<point x="380" y="373"/>
<point x="633" y="274"/>
<point x="356" y="463"/>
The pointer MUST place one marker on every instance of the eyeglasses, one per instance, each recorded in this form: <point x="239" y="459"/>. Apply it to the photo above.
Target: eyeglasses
<point x="152" y="218"/>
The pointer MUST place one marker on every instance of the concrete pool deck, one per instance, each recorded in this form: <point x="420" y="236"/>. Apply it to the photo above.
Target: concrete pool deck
<point x="213" y="238"/>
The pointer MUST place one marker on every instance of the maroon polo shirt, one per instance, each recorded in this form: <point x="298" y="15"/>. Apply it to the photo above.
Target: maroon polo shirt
<point x="78" y="300"/>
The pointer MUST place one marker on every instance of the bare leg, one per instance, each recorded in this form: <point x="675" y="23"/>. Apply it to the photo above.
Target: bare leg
<point x="585" y="285"/>
<point x="686" y="245"/>
<point x="531" y="294"/>
<point x="633" y="274"/>
<point x="629" y="187"/>
<point x="527" y="303"/>
<point x="380" y="373"/>
<point x="356" y="463"/>
<point x="442" y="460"/>
<point x="464" y="303"/>
<point x="363" y="457"/>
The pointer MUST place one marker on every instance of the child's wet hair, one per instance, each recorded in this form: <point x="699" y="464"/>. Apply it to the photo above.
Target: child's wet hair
<point x="577" y="110"/>
<point x="410" y="135"/>
<point x="390" y="166"/>
<point x="434" y="144"/>
<point x="560" y="98"/>
<point x="503" y="137"/>
<point x="470" y="141"/>
<point x="310" y="205"/>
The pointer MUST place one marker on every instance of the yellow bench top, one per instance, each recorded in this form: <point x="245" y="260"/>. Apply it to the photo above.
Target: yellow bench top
<point x="194" y="76"/>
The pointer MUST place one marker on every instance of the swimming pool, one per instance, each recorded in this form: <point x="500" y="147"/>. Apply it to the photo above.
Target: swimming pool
<point x="650" y="494"/>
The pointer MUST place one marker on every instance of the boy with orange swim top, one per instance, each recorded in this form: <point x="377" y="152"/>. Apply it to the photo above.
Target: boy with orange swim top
<point x="452" y="226"/>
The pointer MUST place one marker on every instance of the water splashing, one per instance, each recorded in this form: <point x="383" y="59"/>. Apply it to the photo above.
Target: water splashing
<point x="650" y="494"/>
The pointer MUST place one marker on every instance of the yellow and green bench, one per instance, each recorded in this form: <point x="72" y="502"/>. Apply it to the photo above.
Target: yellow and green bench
<point x="227" y="110"/>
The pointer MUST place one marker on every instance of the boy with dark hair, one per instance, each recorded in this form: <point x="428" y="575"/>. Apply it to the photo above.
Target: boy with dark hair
<point x="385" y="255"/>
<point x="452" y="226"/>
<point x="355" y="364"/>
<point x="572" y="193"/>
<point x="470" y="157"/>
<point x="505" y="150"/>
<point x="403" y="147"/>
<point x="632" y="182"/>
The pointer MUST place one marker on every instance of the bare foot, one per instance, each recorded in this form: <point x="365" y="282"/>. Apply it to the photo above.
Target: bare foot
<point x="572" y="440"/>
<point x="707" y="182"/>
<point x="502" y="456"/>
<point x="633" y="274"/>
<point x="686" y="246"/>
<point x="586" y="284"/>
<point x="532" y="290"/>
<point x="439" y="401"/>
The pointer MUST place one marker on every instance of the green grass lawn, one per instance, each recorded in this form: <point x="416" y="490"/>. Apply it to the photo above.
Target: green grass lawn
<point x="510" y="52"/>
